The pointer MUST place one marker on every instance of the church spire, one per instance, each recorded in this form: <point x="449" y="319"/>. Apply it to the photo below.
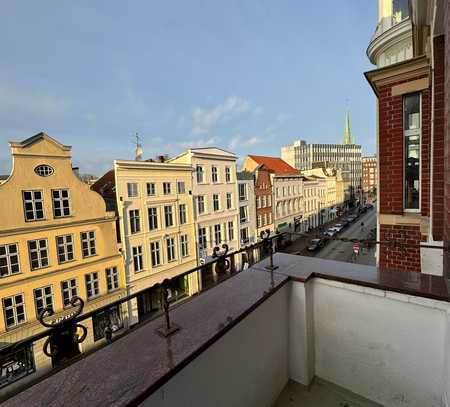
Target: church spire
<point x="348" y="139"/>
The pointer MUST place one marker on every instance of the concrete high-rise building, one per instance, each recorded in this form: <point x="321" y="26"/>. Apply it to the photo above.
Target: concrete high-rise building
<point x="345" y="157"/>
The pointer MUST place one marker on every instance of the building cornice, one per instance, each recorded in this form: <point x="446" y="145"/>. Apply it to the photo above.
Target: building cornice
<point x="402" y="71"/>
<point x="149" y="165"/>
<point x="41" y="228"/>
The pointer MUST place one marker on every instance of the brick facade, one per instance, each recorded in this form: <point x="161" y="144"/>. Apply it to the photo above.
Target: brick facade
<point x="391" y="144"/>
<point x="438" y="139"/>
<point x="447" y="145"/>
<point x="263" y="187"/>
<point x="396" y="257"/>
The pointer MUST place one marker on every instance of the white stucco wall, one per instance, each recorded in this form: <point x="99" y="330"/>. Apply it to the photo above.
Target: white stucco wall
<point x="247" y="367"/>
<point x="385" y="346"/>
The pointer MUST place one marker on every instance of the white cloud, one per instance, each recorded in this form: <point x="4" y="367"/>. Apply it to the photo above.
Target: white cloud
<point x="203" y="119"/>
<point x="194" y="143"/>
<point x="239" y="142"/>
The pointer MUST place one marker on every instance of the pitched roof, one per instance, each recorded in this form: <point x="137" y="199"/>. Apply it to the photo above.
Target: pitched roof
<point x="275" y="164"/>
<point x="37" y="137"/>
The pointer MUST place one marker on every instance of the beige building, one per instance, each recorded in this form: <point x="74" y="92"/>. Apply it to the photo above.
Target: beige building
<point x="154" y="204"/>
<point x="332" y="197"/>
<point x="369" y="166"/>
<point x="215" y="193"/>
<point x="57" y="241"/>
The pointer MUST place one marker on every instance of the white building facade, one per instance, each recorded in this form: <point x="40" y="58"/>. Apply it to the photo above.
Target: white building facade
<point x="247" y="208"/>
<point x="288" y="207"/>
<point x="215" y="194"/>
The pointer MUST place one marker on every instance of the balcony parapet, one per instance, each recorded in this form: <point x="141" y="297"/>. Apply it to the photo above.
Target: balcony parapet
<point x="398" y="35"/>
<point x="131" y="369"/>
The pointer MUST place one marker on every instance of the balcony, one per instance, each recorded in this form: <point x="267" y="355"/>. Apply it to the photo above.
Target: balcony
<point x="391" y="42"/>
<point x="310" y="333"/>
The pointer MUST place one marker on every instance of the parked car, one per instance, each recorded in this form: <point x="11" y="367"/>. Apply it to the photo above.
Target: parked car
<point x="338" y="227"/>
<point x="330" y="232"/>
<point x="369" y="206"/>
<point x="315" y="244"/>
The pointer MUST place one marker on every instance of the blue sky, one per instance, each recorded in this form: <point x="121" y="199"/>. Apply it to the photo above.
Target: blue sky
<point x="249" y="76"/>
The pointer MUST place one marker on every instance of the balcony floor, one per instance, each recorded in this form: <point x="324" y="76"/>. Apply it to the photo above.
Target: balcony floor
<point x="320" y="394"/>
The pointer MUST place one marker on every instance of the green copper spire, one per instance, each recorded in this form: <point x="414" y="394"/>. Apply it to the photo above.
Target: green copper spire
<point x="348" y="139"/>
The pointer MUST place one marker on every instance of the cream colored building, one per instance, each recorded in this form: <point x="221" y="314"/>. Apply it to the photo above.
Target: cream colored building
<point x="313" y="188"/>
<point x="330" y="198"/>
<point x="215" y="194"/>
<point x="57" y="241"/>
<point x="155" y="209"/>
<point x="288" y="196"/>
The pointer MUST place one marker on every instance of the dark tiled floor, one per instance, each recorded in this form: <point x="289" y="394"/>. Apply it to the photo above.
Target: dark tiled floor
<point x="320" y="394"/>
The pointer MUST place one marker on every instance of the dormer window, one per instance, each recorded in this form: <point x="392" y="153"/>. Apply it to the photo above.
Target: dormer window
<point x="44" y="170"/>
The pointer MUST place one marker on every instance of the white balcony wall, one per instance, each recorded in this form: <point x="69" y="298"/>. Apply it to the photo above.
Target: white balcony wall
<point x="387" y="347"/>
<point x="248" y="367"/>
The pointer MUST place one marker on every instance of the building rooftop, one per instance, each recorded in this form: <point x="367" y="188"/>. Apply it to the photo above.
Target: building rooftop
<point x="275" y="165"/>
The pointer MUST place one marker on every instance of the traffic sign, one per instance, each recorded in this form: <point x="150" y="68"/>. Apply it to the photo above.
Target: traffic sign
<point x="356" y="248"/>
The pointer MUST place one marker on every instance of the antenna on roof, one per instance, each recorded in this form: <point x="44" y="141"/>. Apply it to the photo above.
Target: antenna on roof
<point x="139" y="150"/>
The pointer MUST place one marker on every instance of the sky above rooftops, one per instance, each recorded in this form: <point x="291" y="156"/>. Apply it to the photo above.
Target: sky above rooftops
<point x="246" y="76"/>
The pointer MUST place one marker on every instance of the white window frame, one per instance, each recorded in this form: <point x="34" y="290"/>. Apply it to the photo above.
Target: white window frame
<point x="138" y="258"/>
<point x="214" y="174"/>
<point x="216" y="208"/>
<point x="14" y="307"/>
<point x="184" y="245"/>
<point x="61" y="201"/>
<point x="171" y="249"/>
<point x="90" y="239"/>
<point x="181" y="187"/>
<point x="71" y="290"/>
<point x="112" y="278"/>
<point x="45" y="297"/>
<point x="41" y="259"/>
<point x="33" y="201"/>
<point x="7" y="258"/>
<point x="182" y="214"/>
<point x="167" y="188"/>
<point x="202" y="238"/>
<point x="229" y="200"/>
<point x="155" y="253"/>
<point x="132" y="189"/>
<point x="201" y="204"/>
<point x="168" y="215"/>
<point x="217" y="234"/>
<point x="230" y="230"/>
<point x="227" y="174"/>
<point x="92" y="285"/>
<point x="135" y="221"/>
<point x="152" y="213"/>
<point x="408" y="133"/>
<point x="151" y="189"/>
<point x="65" y="245"/>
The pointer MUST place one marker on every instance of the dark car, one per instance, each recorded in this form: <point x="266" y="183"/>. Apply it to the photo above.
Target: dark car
<point x="315" y="244"/>
<point x="369" y="206"/>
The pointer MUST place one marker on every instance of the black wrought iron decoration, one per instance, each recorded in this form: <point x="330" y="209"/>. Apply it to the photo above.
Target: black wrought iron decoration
<point x="169" y="328"/>
<point x="222" y="264"/>
<point x="63" y="342"/>
<point x="268" y="248"/>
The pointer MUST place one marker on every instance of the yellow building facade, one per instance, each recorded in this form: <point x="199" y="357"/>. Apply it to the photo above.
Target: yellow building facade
<point x="56" y="241"/>
<point x="156" y="217"/>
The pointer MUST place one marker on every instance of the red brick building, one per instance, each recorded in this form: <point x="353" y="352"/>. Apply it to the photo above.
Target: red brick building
<point x="369" y="174"/>
<point x="263" y="196"/>
<point x="412" y="138"/>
